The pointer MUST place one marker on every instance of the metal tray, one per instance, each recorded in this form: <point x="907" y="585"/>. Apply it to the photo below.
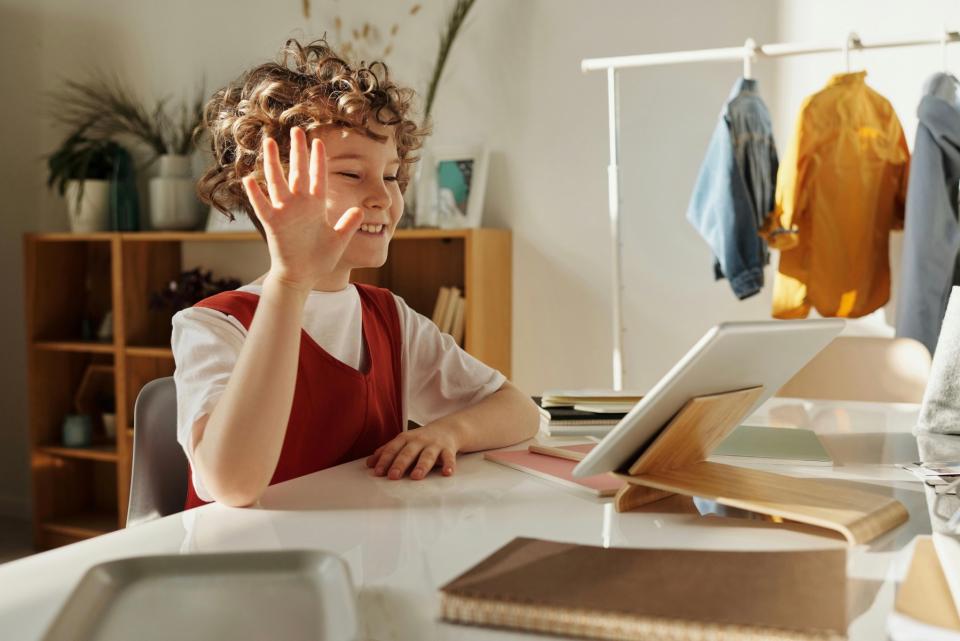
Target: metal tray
<point x="282" y="596"/>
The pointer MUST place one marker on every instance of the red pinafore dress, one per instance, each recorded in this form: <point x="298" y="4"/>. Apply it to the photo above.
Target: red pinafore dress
<point x="339" y="414"/>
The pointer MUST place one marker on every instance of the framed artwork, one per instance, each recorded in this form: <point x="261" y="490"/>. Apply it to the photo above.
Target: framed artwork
<point x="451" y="188"/>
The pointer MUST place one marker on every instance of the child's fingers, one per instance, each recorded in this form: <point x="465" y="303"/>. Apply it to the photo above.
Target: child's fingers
<point x="318" y="168"/>
<point x="372" y="459"/>
<point x="387" y="454"/>
<point x="273" y="172"/>
<point x="428" y="458"/>
<point x="299" y="179"/>
<point x="404" y="459"/>
<point x="349" y="223"/>
<point x="261" y="204"/>
<point x="448" y="462"/>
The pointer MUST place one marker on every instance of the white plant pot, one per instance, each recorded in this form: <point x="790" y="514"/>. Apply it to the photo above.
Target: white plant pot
<point x="173" y="203"/>
<point x="173" y="166"/>
<point x="92" y="212"/>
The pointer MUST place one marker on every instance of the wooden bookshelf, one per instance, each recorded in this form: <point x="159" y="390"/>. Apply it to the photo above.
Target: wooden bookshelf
<point x="72" y="280"/>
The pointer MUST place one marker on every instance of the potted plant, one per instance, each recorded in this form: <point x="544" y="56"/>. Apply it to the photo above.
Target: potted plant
<point x="173" y="203"/>
<point x="80" y="169"/>
<point x="112" y="110"/>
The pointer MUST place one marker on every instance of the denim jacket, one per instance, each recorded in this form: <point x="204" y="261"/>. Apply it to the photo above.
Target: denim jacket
<point x="735" y="189"/>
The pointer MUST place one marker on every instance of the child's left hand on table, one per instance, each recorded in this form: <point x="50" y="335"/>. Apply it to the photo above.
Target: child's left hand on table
<point x="419" y="451"/>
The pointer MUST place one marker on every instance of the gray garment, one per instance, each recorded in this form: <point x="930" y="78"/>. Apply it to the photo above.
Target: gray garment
<point x="940" y="412"/>
<point x="931" y="244"/>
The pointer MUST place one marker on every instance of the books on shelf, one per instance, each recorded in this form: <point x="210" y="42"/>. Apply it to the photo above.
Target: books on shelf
<point x="655" y="594"/>
<point x="440" y="308"/>
<point x="456" y="329"/>
<point x="449" y="312"/>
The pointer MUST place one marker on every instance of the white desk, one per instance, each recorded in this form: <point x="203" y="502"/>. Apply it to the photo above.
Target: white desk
<point x="402" y="540"/>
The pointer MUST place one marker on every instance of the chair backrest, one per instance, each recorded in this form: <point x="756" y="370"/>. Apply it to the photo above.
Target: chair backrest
<point x="158" y="482"/>
<point x="864" y="368"/>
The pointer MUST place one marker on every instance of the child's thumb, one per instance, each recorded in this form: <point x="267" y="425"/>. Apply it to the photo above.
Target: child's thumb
<point x="349" y="222"/>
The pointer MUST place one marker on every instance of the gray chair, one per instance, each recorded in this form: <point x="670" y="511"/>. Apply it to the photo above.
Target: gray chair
<point x="158" y="482"/>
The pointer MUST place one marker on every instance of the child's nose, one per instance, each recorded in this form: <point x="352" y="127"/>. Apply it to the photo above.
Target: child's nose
<point x="378" y="197"/>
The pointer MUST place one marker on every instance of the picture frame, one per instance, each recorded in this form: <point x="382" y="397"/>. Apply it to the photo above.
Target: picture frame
<point x="451" y="188"/>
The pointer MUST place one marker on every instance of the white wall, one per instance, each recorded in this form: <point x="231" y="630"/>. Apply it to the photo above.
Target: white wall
<point x="514" y="83"/>
<point x="562" y="272"/>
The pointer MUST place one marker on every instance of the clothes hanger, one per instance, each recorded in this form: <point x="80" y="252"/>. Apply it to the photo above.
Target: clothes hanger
<point x="852" y="42"/>
<point x="948" y="87"/>
<point x="944" y="39"/>
<point x="749" y="53"/>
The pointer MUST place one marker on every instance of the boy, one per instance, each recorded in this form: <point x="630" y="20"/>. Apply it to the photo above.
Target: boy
<point x="302" y="370"/>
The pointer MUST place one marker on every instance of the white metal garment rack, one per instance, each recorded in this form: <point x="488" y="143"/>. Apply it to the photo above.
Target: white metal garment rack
<point x="747" y="53"/>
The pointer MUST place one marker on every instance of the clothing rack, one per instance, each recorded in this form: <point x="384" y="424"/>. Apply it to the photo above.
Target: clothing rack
<point x="748" y="53"/>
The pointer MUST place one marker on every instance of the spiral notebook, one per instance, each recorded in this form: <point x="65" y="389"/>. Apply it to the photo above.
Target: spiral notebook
<point x="653" y="595"/>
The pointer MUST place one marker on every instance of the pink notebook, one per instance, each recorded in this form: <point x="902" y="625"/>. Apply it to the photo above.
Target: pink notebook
<point x="558" y="470"/>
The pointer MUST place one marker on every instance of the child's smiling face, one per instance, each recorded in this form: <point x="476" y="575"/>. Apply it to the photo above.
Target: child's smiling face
<point x="362" y="172"/>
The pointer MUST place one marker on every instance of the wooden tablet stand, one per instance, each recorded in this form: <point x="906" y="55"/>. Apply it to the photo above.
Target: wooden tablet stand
<point x="674" y="463"/>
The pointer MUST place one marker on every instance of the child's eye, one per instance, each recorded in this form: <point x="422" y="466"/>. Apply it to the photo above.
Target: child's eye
<point x="347" y="174"/>
<point x="392" y="179"/>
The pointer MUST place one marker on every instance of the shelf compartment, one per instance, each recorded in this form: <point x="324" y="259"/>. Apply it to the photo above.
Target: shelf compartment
<point x="145" y="351"/>
<point x="105" y="453"/>
<point x="74" y="498"/>
<point x="68" y="289"/>
<point x="140" y="371"/>
<point x="417" y="268"/>
<point x="88" y="347"/>
<point x="148" y="268"/>
<point x="55" y="379"/>
<point x="81" y="526"/>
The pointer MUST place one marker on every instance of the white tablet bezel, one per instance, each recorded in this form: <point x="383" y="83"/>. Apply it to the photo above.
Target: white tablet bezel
<point x="731" y="356"/>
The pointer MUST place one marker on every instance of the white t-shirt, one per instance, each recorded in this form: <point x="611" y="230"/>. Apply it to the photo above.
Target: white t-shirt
<point x="439" y="378"/>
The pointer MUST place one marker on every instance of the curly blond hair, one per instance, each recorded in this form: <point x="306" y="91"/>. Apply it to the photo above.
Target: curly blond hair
<point x="308" y="86"/>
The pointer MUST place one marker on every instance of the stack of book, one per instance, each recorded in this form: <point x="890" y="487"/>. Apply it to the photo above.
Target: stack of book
<point x="586" y="412"/>
<point x="448" y="312"/>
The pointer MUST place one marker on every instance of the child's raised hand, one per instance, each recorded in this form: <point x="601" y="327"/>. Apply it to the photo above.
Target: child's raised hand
<point x="303" y="245"/>
<point x="418" y="451"/>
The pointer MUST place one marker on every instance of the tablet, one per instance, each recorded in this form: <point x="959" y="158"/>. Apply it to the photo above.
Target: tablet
<point x="731" y="356"/>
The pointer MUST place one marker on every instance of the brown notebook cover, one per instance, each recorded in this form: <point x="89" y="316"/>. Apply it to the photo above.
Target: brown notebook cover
<point x="626" y="594"/>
